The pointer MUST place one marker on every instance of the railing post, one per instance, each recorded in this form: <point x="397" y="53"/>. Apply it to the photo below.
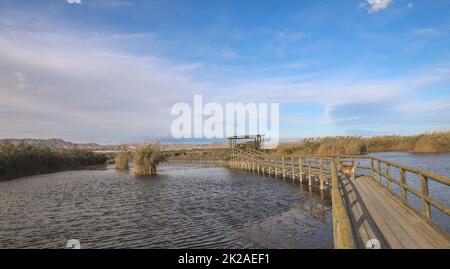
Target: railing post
<point x="284" y="168"/>
<point x="321" y="175"/>
<point x="309" y="174"/>
<point x="403" y="184"/>
<point x="293" y="168"/>
<point x="371" y="168"/>
<point x="379" y="171"/>
<point x="388" y="173"/>
<point x="425" y="193"/>
<point x="300" y="165"/>
<point x="276" y="167"/>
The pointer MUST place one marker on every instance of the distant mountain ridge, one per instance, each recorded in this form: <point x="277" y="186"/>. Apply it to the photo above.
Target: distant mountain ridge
<point x="60" y="143"/>
<point x="50" y="143"/>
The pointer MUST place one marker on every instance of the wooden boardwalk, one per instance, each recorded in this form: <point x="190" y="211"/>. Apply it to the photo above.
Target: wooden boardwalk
<point x="377" y="214"/>
<point x="366" y="208"/>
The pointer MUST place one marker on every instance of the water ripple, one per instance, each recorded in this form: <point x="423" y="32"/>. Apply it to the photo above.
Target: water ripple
<point x="185" y="206"/>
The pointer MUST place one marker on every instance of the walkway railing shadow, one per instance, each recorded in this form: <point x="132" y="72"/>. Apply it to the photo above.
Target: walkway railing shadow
<point x="364" y="227"/>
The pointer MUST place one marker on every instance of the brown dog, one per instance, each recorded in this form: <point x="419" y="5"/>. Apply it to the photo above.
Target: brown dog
<point x="349" y="169"/>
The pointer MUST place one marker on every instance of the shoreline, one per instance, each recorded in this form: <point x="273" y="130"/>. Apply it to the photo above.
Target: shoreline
<point x="47" y="172"/>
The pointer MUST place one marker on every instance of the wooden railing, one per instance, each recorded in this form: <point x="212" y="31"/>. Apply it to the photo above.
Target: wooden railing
<point x="323" y="170"/>
<point x="312" y="170"/>
<point x="382" y="171"/>
<point x="309" y="168"/>
<point x="343" y="237"/>
<point x="424" y="178"/>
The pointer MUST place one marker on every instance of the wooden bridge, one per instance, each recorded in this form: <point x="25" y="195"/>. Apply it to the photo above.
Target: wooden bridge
<point x="388" y="205"/>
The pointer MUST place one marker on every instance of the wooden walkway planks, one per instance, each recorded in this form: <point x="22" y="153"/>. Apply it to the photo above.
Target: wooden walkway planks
<point x="376" y="212"/>
<point x="363" y="225"/>
<point x="370" y="210"/>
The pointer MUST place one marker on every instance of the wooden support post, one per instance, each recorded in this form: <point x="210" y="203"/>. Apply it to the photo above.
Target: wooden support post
<point x="309" y="174"/>
<point x="284" y="168"/>
<point x="371" y="168"/>
<point x="268" y="166"/>
<point x="403" y="184"/>
<point x="276" y="167"/>
<point x="293" y="168"/>
<point x="321" y="175"/>
<point x="425" y="194"/>
<point x="300" y="167"/>
<point x="379" y="171"/>
<point x="388" y="173"/>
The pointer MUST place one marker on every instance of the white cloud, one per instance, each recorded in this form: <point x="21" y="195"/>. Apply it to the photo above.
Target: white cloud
<point x="74" y="1"/>
<point x="64" y="84"/>
<point x="374" y="6"/>
<point x="48" y="92"/>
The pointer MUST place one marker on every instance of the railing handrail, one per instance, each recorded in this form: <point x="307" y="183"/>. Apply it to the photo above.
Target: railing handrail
<point x="424" y="175"/>
<point x="343" y="236"/>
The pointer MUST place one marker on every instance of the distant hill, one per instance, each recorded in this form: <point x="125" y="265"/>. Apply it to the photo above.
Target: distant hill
<point x="60" y="143"/>
<point x="50" y="143"/>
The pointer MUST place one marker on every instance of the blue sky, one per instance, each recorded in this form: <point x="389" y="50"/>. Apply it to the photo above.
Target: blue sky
<point x="108" y="71"/>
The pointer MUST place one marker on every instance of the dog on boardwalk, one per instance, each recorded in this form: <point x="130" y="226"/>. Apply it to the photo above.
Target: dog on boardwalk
<point x="348" y="169"/>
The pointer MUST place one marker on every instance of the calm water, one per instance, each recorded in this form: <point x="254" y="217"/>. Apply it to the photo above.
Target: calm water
<point x="185" y="206"/>
<point x="438" y="163"/>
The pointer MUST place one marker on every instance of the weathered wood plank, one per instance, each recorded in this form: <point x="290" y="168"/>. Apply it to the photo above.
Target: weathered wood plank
<point x="363" y="225"/>
<point x="400" y="225"/>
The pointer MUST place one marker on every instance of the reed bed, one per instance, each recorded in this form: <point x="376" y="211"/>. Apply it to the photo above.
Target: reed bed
<point x="24" y="160"/>
<point x="121" y="160"/>
<point x="355" y="145"/>
<point x="146" y="158"/>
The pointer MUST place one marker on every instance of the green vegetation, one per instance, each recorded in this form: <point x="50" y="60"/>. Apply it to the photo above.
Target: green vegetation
<point x="121" y="160"/>
<point x="23" y="160"/>
<point x="354" y="145"/>
<point x="146" y="158"/>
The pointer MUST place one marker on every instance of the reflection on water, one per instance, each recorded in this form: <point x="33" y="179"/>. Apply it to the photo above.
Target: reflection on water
<point x="185" y="206"/>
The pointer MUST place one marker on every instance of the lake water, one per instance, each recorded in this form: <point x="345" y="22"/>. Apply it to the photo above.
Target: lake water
<point x="438" y="163"/>
<point x="185" y="206"/>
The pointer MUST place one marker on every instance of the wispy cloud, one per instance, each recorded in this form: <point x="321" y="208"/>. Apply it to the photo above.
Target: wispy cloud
<point x="90" y="88"/>
<point x="74" y="1"/>
<point x="374" y="6"/>
<point x="427" y="32"/>
<point x="105" y="83"/>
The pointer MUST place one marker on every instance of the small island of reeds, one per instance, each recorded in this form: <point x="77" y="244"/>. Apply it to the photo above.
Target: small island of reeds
<point x="146" y="158"/>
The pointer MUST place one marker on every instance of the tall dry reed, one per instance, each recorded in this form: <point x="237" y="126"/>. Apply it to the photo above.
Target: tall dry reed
<point x="146" y="158"/>
<point x="121" y="160"/>
<point x="23" y="160"/>
<point x="354" y="145"/>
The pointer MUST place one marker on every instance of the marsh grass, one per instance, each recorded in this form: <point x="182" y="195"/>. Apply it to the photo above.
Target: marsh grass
<point x="355" y="145"/>
<point x="121" y="160"/>
<point x="24" y="160"/>
<point x="146" y="158"/>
